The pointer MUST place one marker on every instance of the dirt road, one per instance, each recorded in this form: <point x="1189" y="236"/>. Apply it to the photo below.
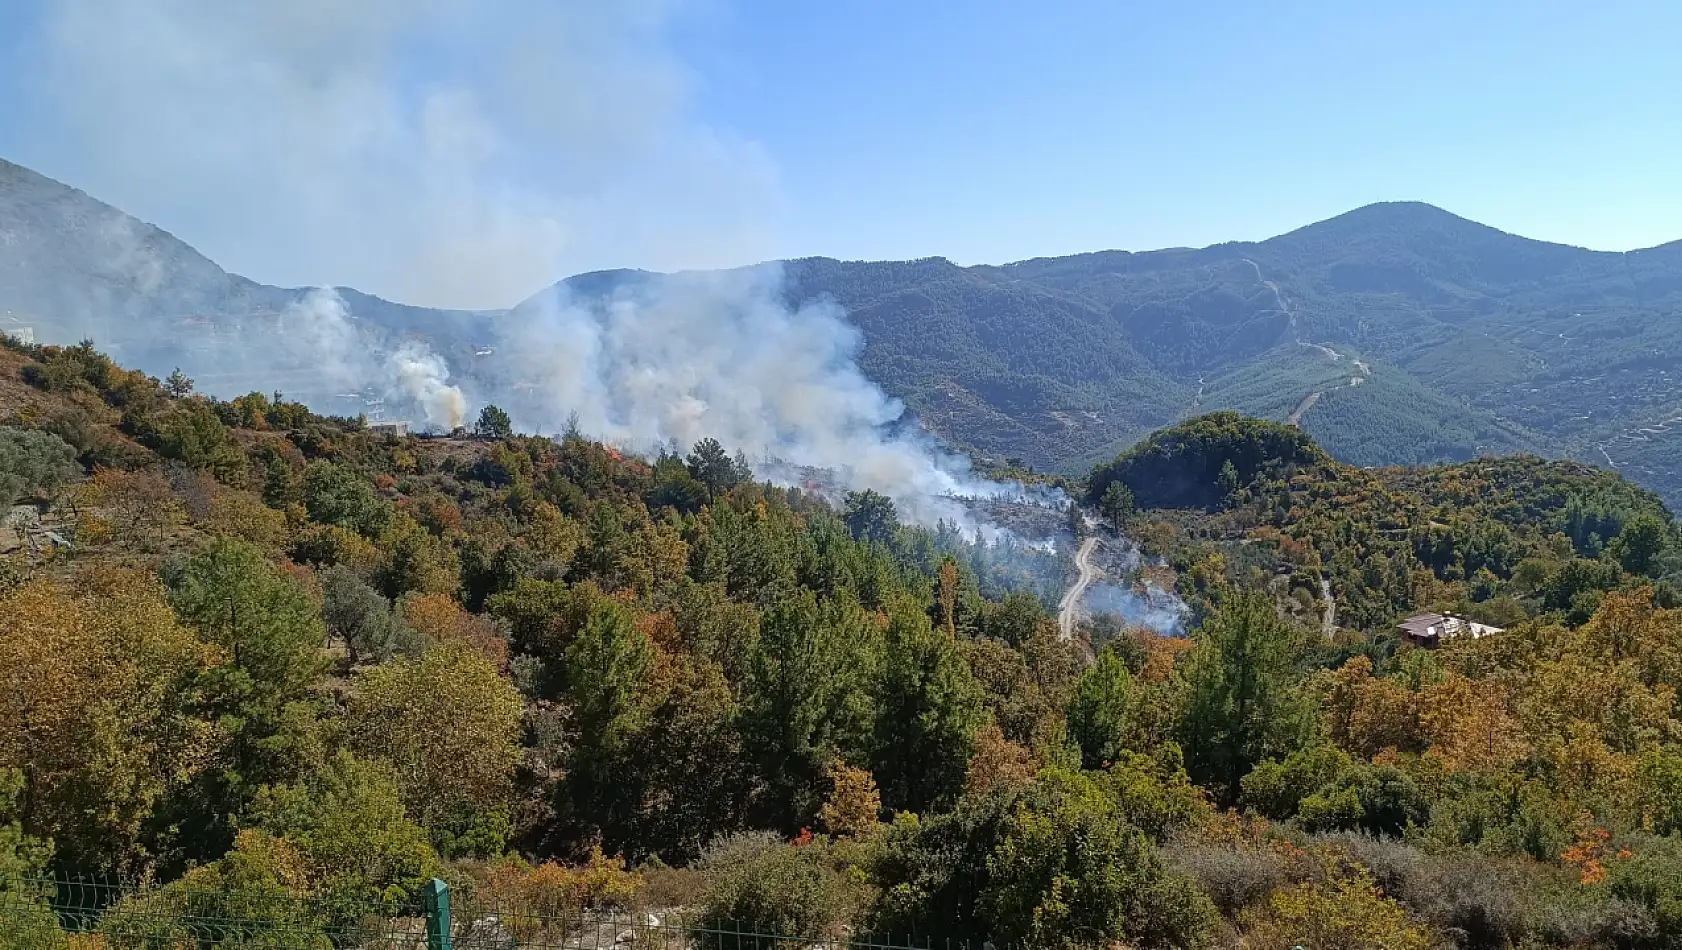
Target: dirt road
<point x="1066" y="611"/>
<point x="1308" y="401"/>
<point x="1328" y="613"/>
<point x="1363" y="372"/>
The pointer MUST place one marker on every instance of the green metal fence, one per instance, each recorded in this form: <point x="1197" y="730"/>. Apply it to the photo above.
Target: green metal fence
<point x="65" y="914"/>
<point x="100" y="915"/>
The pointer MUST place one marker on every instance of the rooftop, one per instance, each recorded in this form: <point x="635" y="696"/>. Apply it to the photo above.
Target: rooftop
<point x="1434" y="627"/>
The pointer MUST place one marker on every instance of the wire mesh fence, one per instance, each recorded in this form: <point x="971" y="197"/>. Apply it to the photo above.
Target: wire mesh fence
<point x="81" y="914"/>
<point x="75" y="914"/>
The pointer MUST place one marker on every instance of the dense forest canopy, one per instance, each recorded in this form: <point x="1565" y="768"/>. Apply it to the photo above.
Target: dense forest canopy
<point x="1234" y="501"/>
<point x="1199" y="464"/>
<point x="251" y="649"/>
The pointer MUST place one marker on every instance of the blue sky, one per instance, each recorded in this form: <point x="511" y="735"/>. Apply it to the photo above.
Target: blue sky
<point x="990" y="131"/>
<point x="982" y="131"/>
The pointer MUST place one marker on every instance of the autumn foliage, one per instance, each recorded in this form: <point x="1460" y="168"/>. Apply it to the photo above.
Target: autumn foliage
<point x="275" y="654"/>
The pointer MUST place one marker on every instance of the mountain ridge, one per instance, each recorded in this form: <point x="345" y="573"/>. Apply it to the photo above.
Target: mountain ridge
<point x="1473" y="340"/>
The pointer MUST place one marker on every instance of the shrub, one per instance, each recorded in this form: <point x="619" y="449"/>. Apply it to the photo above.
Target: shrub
<point x="1154" y="793"/>
<point x="1392" y="864"/>
<point x="1344" y="911"/>
<point x="1050" y="864"/>
<point x="32" y="462"/>
<point x="1479" y="900"/>
<point x="1481" y="903"/>
<point x="26" y="921"/>
<point x="538" y="903"/>
<point x="1586" y="920"/>
<point x="1650" y="877"/>
<point x="754" y="887"/>
<point x="1233" y="878"/>
<point x="1327" y="791"/>
<point x="249" y="898"/>
<point x="348" y="822"/>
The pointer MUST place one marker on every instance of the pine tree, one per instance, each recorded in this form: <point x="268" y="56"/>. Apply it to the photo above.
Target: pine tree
<point x="807" y="702"/>
<point x="178" y="385"/>
<point x="1117" y="504"/>
<point x="494" y="423"/>
<point x="1239" y="695"/>
<point x="871" y="516"/>
<point x="928" y="711"/>
<point x="712" y="466"/>
<point x="1103" y="713"/>
<point x="608" y="668"/>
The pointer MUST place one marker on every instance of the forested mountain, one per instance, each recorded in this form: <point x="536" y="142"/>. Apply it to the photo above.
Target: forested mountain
<point x="1396" y="333"/>
<point x="287" y="670"/>
<point x="1425" y="336"/>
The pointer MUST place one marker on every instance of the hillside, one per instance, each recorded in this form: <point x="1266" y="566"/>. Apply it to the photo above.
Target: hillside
<point x="1498" y="539"/>
<point x="72" y="268"/>
<point x="1396" y="333"/>
<point x="290" y="672"/>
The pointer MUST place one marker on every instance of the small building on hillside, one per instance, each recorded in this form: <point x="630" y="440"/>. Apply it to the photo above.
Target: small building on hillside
<point x="1429" y="630"/>
<point x="388" y="427"/>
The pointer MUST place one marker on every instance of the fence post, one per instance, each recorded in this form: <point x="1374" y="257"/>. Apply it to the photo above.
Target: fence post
<point x="437" y="900"/>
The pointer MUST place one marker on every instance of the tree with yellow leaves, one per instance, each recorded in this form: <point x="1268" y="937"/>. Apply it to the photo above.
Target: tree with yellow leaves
<point x="1345" y="910"/>
<point x="1365" y="714"/>
<point x="449" y="723"/>
<point x="1467" y="727"/>
<point x="853" y="806"/>
<point x="438" y="618"/>
<point x="101" y="684"/>
<point x="997" y="762"/>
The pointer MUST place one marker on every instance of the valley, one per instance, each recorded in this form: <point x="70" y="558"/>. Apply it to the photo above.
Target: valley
<point x="1394" y="334"/>
<point x="696" y="475"/>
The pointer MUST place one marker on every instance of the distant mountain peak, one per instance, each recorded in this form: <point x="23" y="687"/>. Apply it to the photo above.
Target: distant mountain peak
<point x="1390" y="215"/>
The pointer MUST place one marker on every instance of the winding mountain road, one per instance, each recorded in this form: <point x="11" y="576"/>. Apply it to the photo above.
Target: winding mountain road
<point x="1362" y="371"/>
<point x="1636" y="435"/>
<point x="1066" y="611"/>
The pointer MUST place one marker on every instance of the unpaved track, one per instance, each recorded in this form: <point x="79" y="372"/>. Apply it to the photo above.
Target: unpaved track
<point x="1362" y="370"/>
<point x="1071" y="598"/>
<point x="1328" y="613"/>
<point x="1308" y="401"/>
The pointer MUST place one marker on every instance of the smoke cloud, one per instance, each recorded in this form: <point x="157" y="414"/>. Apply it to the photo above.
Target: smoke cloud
<point x="464" y="153"/>
<point x="422" y="377"/>
<point x="721" y="354"/>
<point x="319" y="335"/>
<point x="455" y="153"/>
<point x="1154" y="608"/>
<point x="1133" y="596"/>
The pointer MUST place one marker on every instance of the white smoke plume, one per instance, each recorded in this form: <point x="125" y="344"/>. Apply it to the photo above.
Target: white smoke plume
<point x="721" y="355"/>
<point x="320" y="336"/>
<point x="317" y="333"/>
<point x="1153" y="608"/>
<point x="455" y="153"/>
<point x="1135" y="598"/>
<point x="422" y="376"/>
